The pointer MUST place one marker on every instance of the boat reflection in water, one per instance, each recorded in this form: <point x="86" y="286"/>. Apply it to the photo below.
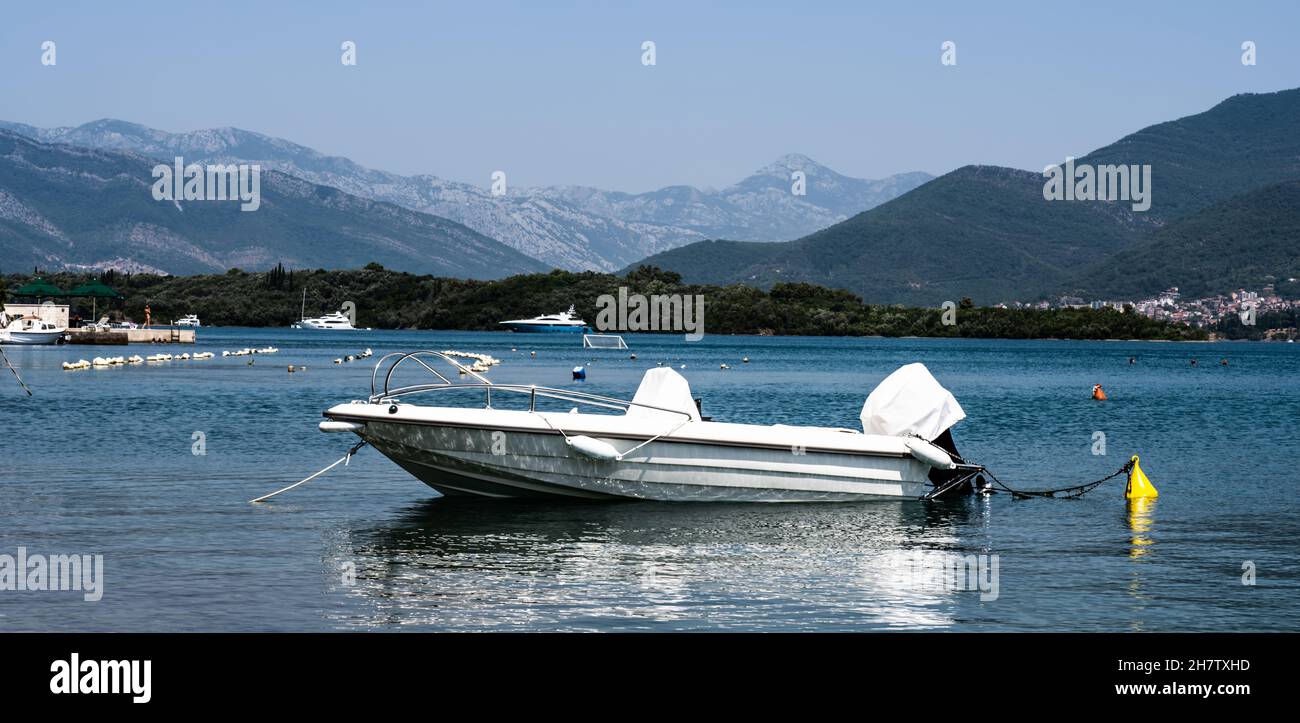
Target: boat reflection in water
<point x="468" y="564"/>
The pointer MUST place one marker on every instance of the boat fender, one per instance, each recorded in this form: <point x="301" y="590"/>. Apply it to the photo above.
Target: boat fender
<point x="332" y="426"/>
<point x="593" y="448"/>
<point x="929" y="453"/>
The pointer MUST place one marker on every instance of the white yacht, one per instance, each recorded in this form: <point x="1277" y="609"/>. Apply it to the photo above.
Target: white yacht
<point x="188" y="320"/>
<point x="656" y="446"/>
<point x="29" y="330"/>
<point x="337" y="320"/>
<point x="547" y="323"/>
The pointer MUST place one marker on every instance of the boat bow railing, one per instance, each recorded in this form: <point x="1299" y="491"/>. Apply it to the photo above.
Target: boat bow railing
<point x="390" y="393"/>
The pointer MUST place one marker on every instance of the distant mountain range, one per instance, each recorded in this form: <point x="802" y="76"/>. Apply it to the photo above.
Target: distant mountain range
<point x="64" y="206"/>
<point x="570" y="227"/>
<point x="987" y="232"/>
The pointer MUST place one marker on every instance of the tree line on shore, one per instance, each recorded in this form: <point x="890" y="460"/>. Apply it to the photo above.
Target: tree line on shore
<point x="397" y="300"/>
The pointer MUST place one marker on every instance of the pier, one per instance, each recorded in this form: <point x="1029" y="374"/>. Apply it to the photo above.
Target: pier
<point x="166" y="335"/>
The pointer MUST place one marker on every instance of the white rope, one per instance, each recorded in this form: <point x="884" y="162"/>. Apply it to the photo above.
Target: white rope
<point x="622" y="454"/>
<point x="15" y="371"/>
<point x="344" y="461"/>
<point x="657" y="436"/>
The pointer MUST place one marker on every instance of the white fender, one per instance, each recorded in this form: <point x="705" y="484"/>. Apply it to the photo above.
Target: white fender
<point x="930" y="453"/>
<point x="333" y="426"/>
<point x="593" y="448"/>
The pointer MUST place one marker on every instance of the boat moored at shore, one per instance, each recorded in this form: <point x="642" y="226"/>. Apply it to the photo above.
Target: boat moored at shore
<point x="29" y="330"/>
<point x="655" y="446"/>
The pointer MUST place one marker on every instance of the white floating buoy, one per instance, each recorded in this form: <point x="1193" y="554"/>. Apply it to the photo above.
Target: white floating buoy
<point x="745" y="360"/>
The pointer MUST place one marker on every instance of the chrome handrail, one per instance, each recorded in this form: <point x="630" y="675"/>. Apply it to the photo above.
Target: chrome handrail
<point x="415" y="355"/>
<point x="532" y="390"/>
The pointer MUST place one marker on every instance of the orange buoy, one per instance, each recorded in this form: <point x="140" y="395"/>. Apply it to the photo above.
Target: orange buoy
<point x="1097" y="393"/>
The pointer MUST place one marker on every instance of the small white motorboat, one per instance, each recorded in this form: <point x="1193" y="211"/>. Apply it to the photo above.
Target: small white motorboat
<point x="191" y="320"/>
<point x="29" y="330"/>
<point x="656" y="446"/>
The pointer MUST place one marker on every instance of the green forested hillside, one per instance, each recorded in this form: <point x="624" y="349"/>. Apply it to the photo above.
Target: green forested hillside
<point x="1248" y="242"/>
<point x="390" y="299"/>
<point x="980" y="231"/>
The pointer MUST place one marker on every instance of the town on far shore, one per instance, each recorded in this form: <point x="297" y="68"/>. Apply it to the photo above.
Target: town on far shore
<point x="1205" y="312"/>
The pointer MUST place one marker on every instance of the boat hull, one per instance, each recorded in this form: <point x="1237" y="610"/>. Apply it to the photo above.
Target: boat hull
<point x="545" y="328"/>
<point x="458" y="460"/>
<point x="31" y="338"/>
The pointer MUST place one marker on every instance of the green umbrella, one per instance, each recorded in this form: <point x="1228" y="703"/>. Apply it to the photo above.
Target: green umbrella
<point x="96" y="290"/>
<point x="38" y="287"/>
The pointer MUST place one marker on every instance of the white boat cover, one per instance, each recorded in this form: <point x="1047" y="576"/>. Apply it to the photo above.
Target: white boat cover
<point x="910" y="401"/>
<point x="665" y="388"/>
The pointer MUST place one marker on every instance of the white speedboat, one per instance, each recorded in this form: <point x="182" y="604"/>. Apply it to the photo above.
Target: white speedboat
<point x="188" y="320"/>
<point x="29" y="330"/>
<point x="547" y="323"/>
<point x="656" y="446"/>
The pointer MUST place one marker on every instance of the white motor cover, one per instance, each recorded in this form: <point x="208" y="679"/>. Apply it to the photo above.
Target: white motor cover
<point x="910" y="401"/>
<point x="665" y="388"/>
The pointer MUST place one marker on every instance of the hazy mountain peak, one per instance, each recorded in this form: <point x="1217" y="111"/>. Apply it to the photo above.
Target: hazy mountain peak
<point x="571" y="226"/>
<point x="68" y="205"/>
<point x="791" y="162"/>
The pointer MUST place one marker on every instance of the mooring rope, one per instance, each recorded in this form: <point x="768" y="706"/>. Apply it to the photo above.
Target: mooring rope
<point x="15" y="371"/>
<point x="1065" y="492"/>
<point x="344" y="461"/>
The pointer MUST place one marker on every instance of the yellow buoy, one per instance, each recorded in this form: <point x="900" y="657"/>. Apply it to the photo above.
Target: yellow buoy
<point x="1139" y="486"/>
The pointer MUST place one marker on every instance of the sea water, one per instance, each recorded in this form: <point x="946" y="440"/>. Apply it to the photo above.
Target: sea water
<point x="150" y="468"/>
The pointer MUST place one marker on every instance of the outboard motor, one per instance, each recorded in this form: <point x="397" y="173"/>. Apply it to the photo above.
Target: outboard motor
<point x="911" y="403"/>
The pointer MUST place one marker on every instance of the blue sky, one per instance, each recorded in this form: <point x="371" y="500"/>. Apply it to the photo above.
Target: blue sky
<point x="555" y="92"/>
